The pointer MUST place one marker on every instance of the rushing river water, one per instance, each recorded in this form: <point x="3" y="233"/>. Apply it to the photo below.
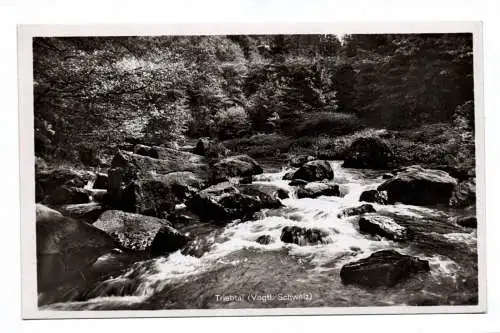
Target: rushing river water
<point x="238" y="272"/>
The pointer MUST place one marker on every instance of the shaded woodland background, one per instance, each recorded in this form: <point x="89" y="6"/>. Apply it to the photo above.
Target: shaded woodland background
<point x="264" y="95"/>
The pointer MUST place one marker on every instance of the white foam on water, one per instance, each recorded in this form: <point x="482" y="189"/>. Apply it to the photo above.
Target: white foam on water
<point x="345" y="242"/>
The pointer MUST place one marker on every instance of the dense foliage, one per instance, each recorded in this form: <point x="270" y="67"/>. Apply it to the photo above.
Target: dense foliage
<point x="98" y="91"/>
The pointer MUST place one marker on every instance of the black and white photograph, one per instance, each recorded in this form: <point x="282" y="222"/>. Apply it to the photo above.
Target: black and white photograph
<point x="309" y="172"/>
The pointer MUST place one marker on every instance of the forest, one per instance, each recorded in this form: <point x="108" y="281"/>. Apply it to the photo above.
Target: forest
<point x="291" y="93"/>
<point x="336" y="169"/>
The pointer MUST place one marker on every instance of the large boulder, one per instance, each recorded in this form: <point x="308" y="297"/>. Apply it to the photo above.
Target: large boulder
<point x="65" y="247"/>
<point x="359" y="210"/>
<point x="382" y="268"/>
<point x="264" y="239"/>
<point x="101" y="181"/>
<point x="304" y="236"/>
<point x="150" y="186"/>
<point x="383" y="226"/>
<point x="209" y="148"/>
<point x="225" y="202"/>
<point x="368" y="153"/>
<point x="314" y="170"/>
<point x="375" y="196"/>
<point x="235" y="166"/>
<point x="88" y="212"/>
<point x="468" y="222"/>
<point x="416" y="185"/>
<point x="67" y="195"/>
<point x="289" y="175"/>
<point x="141" y="233"/>
<point x="297" y="161"/>
<point x="316" y="189"/>
<point x="47" y="181"/>
<point x="464" y="194"/>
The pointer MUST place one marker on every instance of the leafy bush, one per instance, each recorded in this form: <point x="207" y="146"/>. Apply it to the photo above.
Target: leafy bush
<point x="232" y="123"/>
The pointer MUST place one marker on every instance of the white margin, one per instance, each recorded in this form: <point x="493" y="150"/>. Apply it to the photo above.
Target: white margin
<point x="26" y="145"/>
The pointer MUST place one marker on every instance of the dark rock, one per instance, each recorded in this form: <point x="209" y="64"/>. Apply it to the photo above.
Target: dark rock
<point x="209" y="148"/>
<point x="375" y="196"/>
<point x="468" y="222"/>
<point x="418" y="186"/>
<point x="224" y="202"/>
<point x="314" y="170"/>
<point x="382" y="268"/>
<point x="304" y="236"/>
<point x="48" y="181"/>
<point x="246" y="180"/>
<point x="88" y="155"/>
<point x="101" y="181"/>
<point x="288" y="175"/>
<point x="316" y="189"/>
<point x="383" y="226"/>
<point x="464" y="194"/>
<point x="88" y="212"/>
<point x="299" y="160"/>
<point x="297" y="182"/>
<point x="65" y="247"/>
<point x="387" y="176"/>
<point x="145" y="151"/>
<point x="368" y="153"/>
<point x="141" y="233"/>
<point x="366" y="208"/>
<point x="67" y="195"/>
<point x="151" y="186"/>
<point x="183" y="184"/>
<point x="264" y="239"/>
<point x="235" y="166"/>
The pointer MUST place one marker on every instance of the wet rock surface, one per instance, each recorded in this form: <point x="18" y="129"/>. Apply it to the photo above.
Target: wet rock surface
<point x="141" y="233"/>
<point x="366" y="208"/>
<point x="304" y="236"/>
<point x="382" y="268"/>
<point x="314" y="171"/>
<point x="383" y="226"/>
<point x="416" y="185"/>
<point x="316" y="189"/>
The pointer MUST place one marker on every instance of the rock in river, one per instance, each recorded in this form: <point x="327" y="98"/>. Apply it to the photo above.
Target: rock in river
<point x="365" y="208"/>
<point x="316" y="189"/>
<point x="65" y="247"/>
<point x="314" y="170"/>
<point x="235" y="166"/>
<point x="375" y="196"/>
<point x="88" y="212"/>
<point x="468" y="222"/>
<point x="304" y="236"/>
<point x="416" y="185"/>
<point x="224" y="202"/>
<point x="464" y="194"/>
<point x="383" y="226"/>
<point x="299" y="160"/>
<point x="141" y="233"/>
<point x="67" y="195"/>
<point x="150" y="186"/>
<point x="382" y="268"/>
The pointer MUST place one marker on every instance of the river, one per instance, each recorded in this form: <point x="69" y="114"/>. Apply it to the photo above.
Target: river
<point x="238" y="272"/>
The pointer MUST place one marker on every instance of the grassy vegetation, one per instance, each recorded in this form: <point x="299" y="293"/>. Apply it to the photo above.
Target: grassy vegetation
<point x="434" y="145"/>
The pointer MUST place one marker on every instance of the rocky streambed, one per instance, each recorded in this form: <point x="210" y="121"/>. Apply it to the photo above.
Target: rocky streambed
<point x="169" y="229"/>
